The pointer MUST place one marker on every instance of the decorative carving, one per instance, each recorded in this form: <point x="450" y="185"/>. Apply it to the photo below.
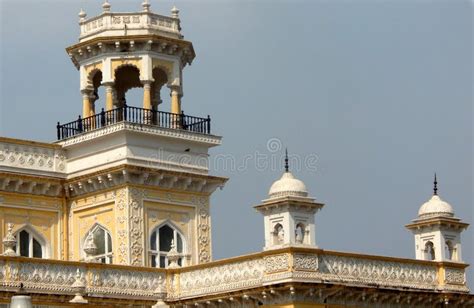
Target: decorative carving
<point x="124" y="282"/>
<point x="226" y="277"/>
<point x="111" y="282"/>
<point x="9" y="242"/>
<point x="277" y="263"/>
<point x="35" y="157"/>
<point x="307" y="262"/>
<point x="173" y="256"/>
<point x="79" y="287"/>
<point x="90" y="248"/>
<point x="136" y="225"/>
<point x="122" y="231"/>
<point x="203" y="231"/>
<point x="347" y="269"/>
<point x="454" y="276"/>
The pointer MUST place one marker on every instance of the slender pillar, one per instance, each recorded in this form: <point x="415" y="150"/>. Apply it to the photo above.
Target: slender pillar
<point x="91" y="122"/>
<point x="109" y="97"/>
<point x="175" y="107"/>
<point x="86" y="104"/>
<point x="146" y="94"/>
<point x="175" y="100"/>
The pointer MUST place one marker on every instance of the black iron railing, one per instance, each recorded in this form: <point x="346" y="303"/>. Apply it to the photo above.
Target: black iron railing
<point x="135" y="115"/>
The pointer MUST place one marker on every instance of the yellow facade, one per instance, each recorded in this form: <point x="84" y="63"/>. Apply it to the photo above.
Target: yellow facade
<point x="40" y="215"/>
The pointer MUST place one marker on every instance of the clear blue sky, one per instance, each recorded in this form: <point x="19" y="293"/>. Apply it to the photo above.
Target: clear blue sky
<point x="379" y="91"/>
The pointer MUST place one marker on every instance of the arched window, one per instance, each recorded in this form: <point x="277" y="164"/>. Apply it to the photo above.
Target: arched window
<point x="449" y="250"/>
<point x="161" y="240"/>
<point x="29" y="244"/>
<point x="103" y="243"/>
<point x="278" y="234"/>
<point x="429" y="251"/>
<point x="300" y="233"/>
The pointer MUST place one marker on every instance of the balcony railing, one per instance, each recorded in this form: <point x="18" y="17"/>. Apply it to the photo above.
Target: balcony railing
<point x="134" y="115"/>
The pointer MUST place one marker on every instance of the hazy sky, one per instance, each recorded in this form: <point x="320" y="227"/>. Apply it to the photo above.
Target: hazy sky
<point x="375" y="95"/>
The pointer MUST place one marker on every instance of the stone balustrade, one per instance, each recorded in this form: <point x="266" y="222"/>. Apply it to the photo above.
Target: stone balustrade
<point x="30" y="157"/>
<point x="114" y="24"/>
<point x="288" y="265"/>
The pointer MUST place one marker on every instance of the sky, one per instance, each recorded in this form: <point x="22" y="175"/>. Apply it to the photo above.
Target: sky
<point x="370" y="98"/>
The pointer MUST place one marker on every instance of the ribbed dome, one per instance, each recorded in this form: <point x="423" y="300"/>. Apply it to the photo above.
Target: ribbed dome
<point x="287" y="185"/>
<point x="435" y="207"/>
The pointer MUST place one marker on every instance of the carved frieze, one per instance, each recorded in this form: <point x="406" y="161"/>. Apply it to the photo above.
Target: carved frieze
<point x="277" y="263"/>
<point x="32" y="157"/>
<point x="454" y="276"/>
<point x="135" y="208"/>
<point x="305" y="262"/>
<point x="203" y="221"/>
<point x="226" y="277"/>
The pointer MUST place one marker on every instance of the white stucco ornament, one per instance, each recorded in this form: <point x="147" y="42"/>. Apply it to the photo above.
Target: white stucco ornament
<point x="435" y="207"/>
<point x="288" y="185"/>
<point x="106" y="6"/>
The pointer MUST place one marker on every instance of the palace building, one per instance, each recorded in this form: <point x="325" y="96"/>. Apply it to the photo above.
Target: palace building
<point x="116" y="212"/>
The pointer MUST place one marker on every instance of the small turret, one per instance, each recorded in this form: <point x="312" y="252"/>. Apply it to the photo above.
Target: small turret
<point x="437" y="231"/>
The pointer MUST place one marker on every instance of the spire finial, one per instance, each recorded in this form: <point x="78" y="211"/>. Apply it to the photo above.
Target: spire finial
<point x="146" y="6"/>
<point x="174" y="12"/>
<point x="287" y="167"/>
<point x="106" y="6"/>
<point x="435" y="185"/>
<point x="82" y="15"/>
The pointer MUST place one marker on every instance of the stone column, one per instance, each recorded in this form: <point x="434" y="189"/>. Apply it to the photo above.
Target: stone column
<point x="175" y="99"/>
<point x="146" y="94"/>
<point x="86" y="103"/>
<point x="109" y="97"/>
<point x="147" y="116"/>
<point x="175" y="106"/>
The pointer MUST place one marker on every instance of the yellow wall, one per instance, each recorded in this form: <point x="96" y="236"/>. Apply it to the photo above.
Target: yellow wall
<point x="180" y="217"/>
<point x="129" y="213"/>
<point x="42" y="214"/>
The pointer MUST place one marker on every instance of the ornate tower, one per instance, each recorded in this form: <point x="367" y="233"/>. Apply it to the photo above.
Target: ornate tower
<point x="289" y="213"/>
<point x="437" y="231"/>
<point x="137" y="177"/>
<point x="120" y="51"/>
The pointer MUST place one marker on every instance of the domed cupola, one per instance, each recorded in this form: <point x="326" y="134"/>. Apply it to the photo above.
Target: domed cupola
<point x="435" y="207"/>
<point x="437" y="231"/>
<point x="289" y="213"/>
<point x="286" y="186"/>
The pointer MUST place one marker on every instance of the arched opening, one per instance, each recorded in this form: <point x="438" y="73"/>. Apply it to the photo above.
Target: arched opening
<point x="102" y="241"/>
<point x="126" y="77"/>
<point x="450" y="251"/>
<point x="278" y="234"/>
<point x="300" y="231"/>
<point x="429" y="251"/>
<point x="161" y="78"/>
<point x="161" y="240"/>
<point x="96" y="81"/>
<point x="30" y="244"/>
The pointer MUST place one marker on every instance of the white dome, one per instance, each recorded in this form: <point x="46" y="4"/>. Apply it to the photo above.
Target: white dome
<point x="435" y="207"/>
<point x="287" y="185"/>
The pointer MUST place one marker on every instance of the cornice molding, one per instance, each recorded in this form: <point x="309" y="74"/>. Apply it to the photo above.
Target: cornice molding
<point x="142" y="128"/>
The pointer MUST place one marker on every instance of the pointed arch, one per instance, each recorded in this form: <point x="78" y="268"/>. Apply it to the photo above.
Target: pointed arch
<point x="300" y="233"/>
<point x="450" y="250"/>
<point x="126" y="77"/>
<point x="103" y="241"/>
<point x="278" y="234"/>
<point x="31" y="243"/>
<point x="160" y="242"/>
<point x="429" y="251"/>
